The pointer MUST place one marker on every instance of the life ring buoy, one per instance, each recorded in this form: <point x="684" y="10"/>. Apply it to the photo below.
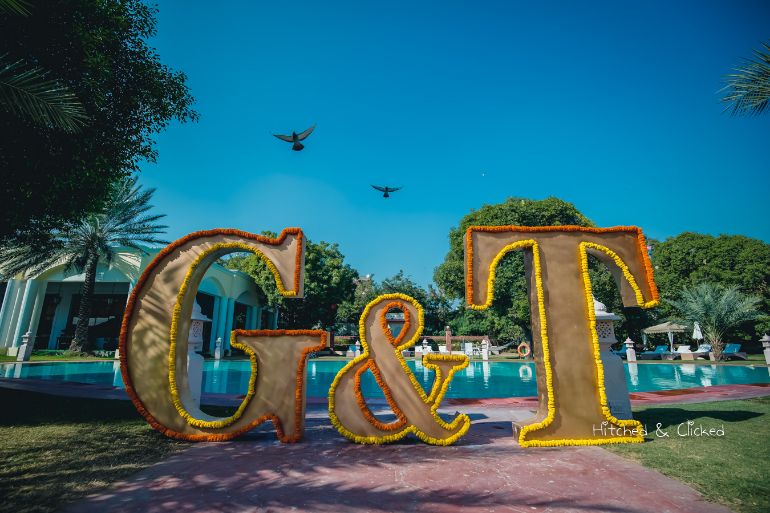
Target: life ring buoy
<point x="524" y="350"/>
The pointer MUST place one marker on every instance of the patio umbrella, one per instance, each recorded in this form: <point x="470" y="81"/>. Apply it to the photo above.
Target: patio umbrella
<point x="667" y="327"/>
<point x="697" y="334"/>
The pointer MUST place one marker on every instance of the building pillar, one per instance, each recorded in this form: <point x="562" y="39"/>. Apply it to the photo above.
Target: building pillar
<point x="59" y="323"/>
<point x="13" y="317"/>
<point x="214" y="324"/>
<point x="249" y="317"/>
<point x="228" y="323"/>
<point x="131" y="285"/>
<point x="258" y="316"/>
<point x="25" y="314"/>
<point x="36" y="311"/>
<point x="6" y="312"/>
<point x="274" y="319"/>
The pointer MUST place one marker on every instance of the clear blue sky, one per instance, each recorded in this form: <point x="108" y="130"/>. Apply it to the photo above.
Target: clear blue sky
<point x="612" y="106"/>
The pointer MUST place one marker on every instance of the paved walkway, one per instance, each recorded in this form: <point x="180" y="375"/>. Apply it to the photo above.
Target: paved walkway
<point x="485" y="472"/>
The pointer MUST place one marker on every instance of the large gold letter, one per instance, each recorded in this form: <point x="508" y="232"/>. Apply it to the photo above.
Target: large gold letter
<point x="570" y="377"/>
<point x="153" y="340"/>
<point x="415" y="411"/>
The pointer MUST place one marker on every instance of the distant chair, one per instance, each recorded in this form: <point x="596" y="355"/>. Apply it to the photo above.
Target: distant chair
<point x="657" y="353"/>
<point x="702" y="351"/>
<point x="620" y="352"/>
<point x="684" y="353"/>
<point x="734" y="351"/>
<point x="468" y="349"/>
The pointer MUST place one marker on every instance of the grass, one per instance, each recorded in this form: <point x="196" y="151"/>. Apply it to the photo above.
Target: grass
<point x="55" y="358"/>
<point x="57" y="449"/>
<point x="731" y="470"/>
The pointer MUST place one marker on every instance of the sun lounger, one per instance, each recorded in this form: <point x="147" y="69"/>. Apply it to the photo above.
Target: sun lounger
<point x="496" y="350"/>
<point x="684" y="353"/>
<point x="657" y="353"/>
<point x="702" y="351"/>
<point x="733" y="351"/>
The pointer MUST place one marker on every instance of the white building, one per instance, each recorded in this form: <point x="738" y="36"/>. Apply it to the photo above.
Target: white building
<point x="46" y="305"/>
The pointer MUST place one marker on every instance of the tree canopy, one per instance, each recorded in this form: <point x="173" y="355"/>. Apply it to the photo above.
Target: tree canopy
<point x="98" y="50"/>
<point x="717" y="308"/>
<point x="329" y="281"/>
<point x="728" y="260"/>
<point x="508" y="317"/>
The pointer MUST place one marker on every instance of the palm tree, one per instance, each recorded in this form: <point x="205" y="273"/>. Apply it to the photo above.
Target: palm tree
<point x="717" y="309"/>
<point x="748" y="90"/>
<point x="30" y="94"/>
<point x="123" y="221"/>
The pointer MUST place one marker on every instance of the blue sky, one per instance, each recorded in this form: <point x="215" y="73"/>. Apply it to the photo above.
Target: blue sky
<point x="610" y="105"/>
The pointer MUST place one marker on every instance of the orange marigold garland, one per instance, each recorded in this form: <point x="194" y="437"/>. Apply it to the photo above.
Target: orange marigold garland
<point x="438" y="389"/>
<point x="131" y="304"/>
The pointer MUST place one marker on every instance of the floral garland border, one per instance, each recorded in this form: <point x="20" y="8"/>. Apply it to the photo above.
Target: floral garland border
<point x="131" y="304"/>
<point x="546" y="350"/>
<point x="641" y="246"/>
<point x="172" y="383"/>
<point x="436" y="391"/>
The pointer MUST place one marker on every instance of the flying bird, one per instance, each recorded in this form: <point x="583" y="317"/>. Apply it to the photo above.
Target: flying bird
<point x="386" y="190"/>
<point x="296" y="138"/>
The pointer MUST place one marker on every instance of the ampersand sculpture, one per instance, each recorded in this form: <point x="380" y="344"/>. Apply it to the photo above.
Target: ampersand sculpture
<point x="416" y="411"/>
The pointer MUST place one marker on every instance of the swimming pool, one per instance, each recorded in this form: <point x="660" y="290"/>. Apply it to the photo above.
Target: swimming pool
<point x="478" y="380"/>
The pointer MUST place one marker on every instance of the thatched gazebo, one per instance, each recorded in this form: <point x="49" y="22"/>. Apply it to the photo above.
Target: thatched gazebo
<point x="667" y="327"/>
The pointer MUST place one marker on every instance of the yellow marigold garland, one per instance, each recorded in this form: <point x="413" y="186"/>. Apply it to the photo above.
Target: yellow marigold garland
<point x="214" y="424"/>
<point x="633" y="424"/>
<point x="623" y="267"/>
<point x="436" y="391"/>
<point x="545" y="343"/>
<point x="640" y="244"/>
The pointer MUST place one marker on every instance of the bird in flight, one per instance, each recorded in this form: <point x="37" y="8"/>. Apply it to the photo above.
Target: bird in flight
<point x="386" y="190"/>
<point x="296" y="138"/>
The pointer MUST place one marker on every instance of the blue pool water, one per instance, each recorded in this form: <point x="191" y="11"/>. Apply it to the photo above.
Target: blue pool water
<point x="478" y="380"/>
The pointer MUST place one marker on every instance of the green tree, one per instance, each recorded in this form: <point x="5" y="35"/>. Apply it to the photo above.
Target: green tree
<point x="508" y="317"/>
<point x="748" y="89"/>
<point x="351" y="308"/>
<point x="28" y="91"/>
<point x="718" y="309"/>
<point x="728" y="260"/>
<point x="123" y="221"/>
<point x="437" y="308"/>
<point x="96" y="50"/>
<point x="329" y="281"/>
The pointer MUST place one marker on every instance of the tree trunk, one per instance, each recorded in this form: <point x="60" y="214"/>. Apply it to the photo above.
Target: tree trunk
<point x="80" y="342"/>
<point x="717" y="346"/>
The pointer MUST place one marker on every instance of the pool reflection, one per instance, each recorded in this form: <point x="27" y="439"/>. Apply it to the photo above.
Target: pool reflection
<point x="478" y="380"/>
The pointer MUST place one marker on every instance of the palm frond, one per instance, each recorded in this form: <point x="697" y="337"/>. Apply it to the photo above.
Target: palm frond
<point x="748" y="90"/>
<point x="20" y="7"/>
<point x="30" y="94"/>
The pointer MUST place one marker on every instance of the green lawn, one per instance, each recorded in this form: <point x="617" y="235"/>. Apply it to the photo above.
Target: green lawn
<point x="57" y="449"/>
<point x="732" y="469"/>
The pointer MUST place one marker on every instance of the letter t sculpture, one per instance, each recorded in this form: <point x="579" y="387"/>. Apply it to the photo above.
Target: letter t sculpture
<point x="570" y="377"/>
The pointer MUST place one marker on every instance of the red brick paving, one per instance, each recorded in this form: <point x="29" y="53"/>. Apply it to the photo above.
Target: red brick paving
<point x="485" y="472"/>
